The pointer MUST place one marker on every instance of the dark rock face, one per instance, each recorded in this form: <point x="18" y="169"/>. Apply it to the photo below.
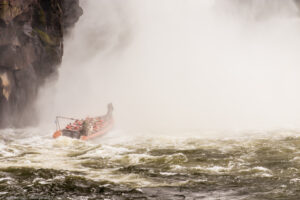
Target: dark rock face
<point x="71" y="14"/>
<point x="31" y="48"/>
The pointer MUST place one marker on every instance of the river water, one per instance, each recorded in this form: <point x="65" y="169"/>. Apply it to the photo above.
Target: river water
<point x="166" y="64"/>
<point x="252" y="165"/>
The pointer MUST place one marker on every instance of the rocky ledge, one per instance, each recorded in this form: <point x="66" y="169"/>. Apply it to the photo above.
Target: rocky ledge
<point x="31" y="49"/>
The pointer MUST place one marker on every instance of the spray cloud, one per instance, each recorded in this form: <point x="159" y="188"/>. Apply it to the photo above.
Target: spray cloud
<point x="183" y="64"/>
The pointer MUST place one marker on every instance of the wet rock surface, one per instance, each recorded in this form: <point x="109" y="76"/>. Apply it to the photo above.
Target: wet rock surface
<point x="31" y="48"/>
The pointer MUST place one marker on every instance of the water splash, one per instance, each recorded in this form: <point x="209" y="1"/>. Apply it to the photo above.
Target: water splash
<point x="184" y="65"/>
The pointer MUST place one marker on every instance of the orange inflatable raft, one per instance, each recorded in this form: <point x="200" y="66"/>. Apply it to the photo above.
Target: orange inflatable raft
<point x="86" y="129"/>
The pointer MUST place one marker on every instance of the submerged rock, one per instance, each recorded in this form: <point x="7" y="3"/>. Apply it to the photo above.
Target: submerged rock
<point x="31" y="48"/>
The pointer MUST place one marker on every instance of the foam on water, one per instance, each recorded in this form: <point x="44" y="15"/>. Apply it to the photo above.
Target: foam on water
<point x="229" y="164"/>
<point x="206" y="105"/>
<point x="102" y="161"/>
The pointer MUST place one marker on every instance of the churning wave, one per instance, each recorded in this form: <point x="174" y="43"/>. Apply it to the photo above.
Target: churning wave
<point x="252" y="165"/>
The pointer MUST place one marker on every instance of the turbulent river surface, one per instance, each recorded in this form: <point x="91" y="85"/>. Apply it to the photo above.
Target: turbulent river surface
<point x="252" y="165"/>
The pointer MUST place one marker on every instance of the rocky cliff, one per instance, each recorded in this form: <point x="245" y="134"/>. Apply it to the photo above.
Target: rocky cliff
<point x="31" y="48"/>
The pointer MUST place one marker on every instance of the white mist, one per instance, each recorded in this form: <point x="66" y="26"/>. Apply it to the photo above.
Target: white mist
<point x="182" y="65"/>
